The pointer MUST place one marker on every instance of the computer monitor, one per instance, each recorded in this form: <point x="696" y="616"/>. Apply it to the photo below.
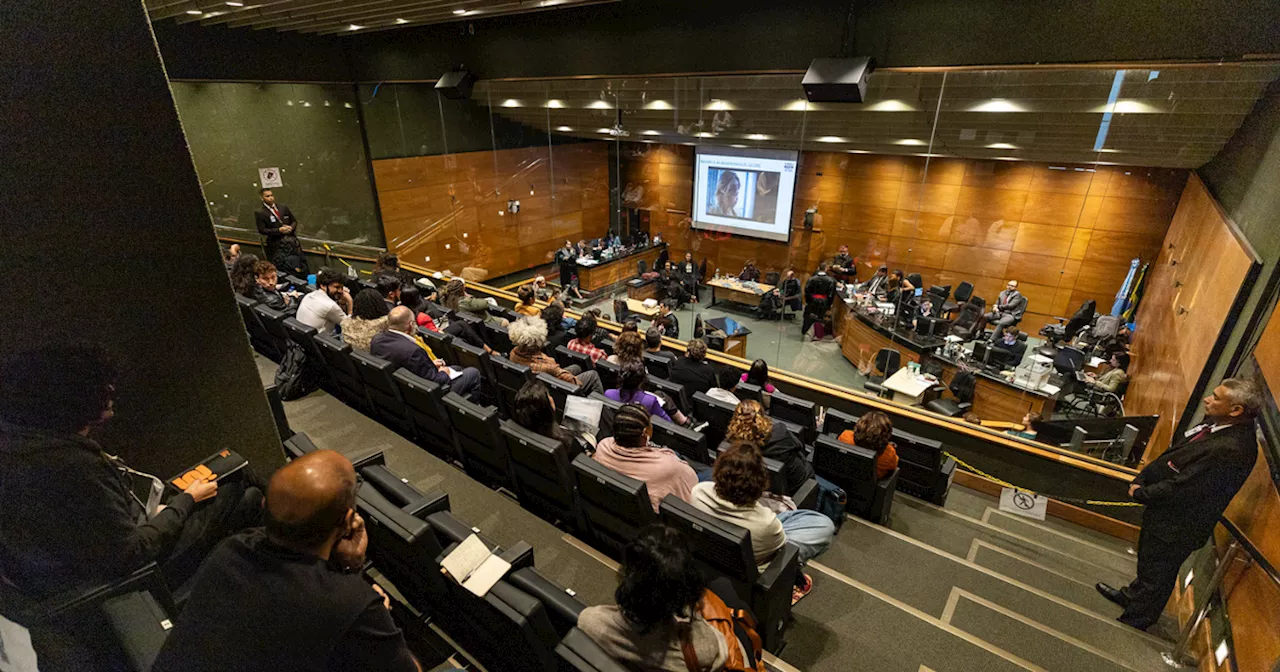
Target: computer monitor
<point x="919" y="291"/>
<point x="981" y="352"/>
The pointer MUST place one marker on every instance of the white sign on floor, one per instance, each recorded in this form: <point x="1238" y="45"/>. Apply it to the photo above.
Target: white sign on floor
<point x="1023" y="503"/>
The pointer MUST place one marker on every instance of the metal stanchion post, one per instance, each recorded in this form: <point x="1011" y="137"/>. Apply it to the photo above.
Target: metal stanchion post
<point x="1177" y="657"/>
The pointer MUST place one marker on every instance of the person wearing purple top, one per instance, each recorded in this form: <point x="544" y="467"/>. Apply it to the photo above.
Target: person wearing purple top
<point x="631" y="390"/>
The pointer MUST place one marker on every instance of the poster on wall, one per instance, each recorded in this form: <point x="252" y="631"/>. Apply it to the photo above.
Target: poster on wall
<point x="269" y="178"/>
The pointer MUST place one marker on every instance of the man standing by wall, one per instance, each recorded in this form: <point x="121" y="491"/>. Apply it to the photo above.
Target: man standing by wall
<point x="278" y="225"/>
<point x="1185" y="490"/>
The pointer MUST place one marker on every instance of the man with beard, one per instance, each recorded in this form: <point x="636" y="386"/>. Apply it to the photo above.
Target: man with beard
<point x="326" y="307"/>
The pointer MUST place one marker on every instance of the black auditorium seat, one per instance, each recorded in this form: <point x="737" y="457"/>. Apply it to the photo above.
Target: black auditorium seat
<point x="606" y="414"/>
<point x="746" y="391"/>
<point x="805" y="496"/>
<point x="657" y="366"/>
<point x="479" y="441"/>
<point x="716" y="413"/>
<point x="610" y="374"/>
<point x="258" y="337"/>
<point x="497" y="338"/>
<point x="690" y="444"/>
<point x="402" y="545"/>
<point x="511" y="377"/>
<point x="441" y="344"/>
<point x="566" y="358"/>
<point x="854" y="469"/>
<point x="579" y="653"/>
<point x="541" y="473"/>
<point x="298" y="445"/>
<point x="674" y="390"/>
<point x="272" y="323"/>
<point x="337" y="354"/>
<point x="796" y="411"/>
<point x="835" y="422"/>
<point x="563" y="607"/>
<point x="382" y="391"/>
<point x="926" y="471"/>
<point x="560" y="390"/>
<point x="724" y="549"/>
<point x="887" y="362"/>
<point x="614" y="507"/>
<point x="305" y="337"/>
<point x="424" y="401"/>
<point x="470" y="355"/>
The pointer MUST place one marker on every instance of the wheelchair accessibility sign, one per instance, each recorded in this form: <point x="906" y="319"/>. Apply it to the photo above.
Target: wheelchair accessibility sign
<point x="1023" y="503"/>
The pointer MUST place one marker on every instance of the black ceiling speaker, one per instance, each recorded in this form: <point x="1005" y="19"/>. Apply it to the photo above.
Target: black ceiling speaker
<point x="837" y="80"/>
<point x="456" y="84"/>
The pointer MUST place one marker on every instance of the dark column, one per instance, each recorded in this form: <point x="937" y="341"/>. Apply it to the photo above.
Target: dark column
<point x="104" y="234"/>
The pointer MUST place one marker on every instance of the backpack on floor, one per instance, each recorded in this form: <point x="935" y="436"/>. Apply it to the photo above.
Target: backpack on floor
<point x="294" y="379"/>
<point x="735" y="625"/>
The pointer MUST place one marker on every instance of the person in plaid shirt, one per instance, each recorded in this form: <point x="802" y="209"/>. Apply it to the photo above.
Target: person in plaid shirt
<point x="528" y="338"/>
<point x="585" y="330"/>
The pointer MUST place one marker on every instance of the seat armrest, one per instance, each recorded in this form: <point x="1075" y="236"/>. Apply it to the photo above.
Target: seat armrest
<point x="449" y="527"/>
<point x="582" y="653"/>
<point x="368" y="459"/>
<point x="520" y="555"/>
<point x="146" y="578"/>
<point x="432" y="502"/>
<point x="771" y="596"/>
<point x="806" y="496"/>
<point x="562" y="606"/>
<point x="882" y="500"/>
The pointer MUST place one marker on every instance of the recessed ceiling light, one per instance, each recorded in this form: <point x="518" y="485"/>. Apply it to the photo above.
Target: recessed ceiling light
<point x="997" y="105"/>
<point x="1001" y="145"/>
<point x="859" y="151"/>
<point x="459" y="12"/>
<point x="759" y="136"/>
<point x="563" y="129"/>
<point x="1109" y="151"/>
<point x="705" y="134"/>
<point x="651" y="132"/>
<point x="649" y="141"/>
<point x="354" y="27"/>
<point x="1007" y="158"/>
<point x="831" y="138"/>
<point x="512" y="102"/>
<point x="195" y="12"/>
<point x="890" y="106"/>
<point x="739" y="146"/>
<point x="550" y="3"/>
<point x="909" y="142"/>
<point x="401" y="21"/>
<point x="599" y="105"/>
<point x="555" y="104"/>
<point x="235" y="4"/>
<point x="658" y="105"/>
<point x="799" y="105"/>
<point x="604" y="130"/>
<point x="720" y="105"/>
<point x="1127" y="107"/>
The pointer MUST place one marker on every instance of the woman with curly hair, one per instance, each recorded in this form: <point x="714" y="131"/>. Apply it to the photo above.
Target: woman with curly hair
<point x="750" y="424"/>
<point x="368" y="318"/>
<point x="739" y="481"/>
<point x="629" y="347"/>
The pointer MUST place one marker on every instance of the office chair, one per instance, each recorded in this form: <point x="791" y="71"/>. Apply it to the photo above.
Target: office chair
<point x="962" y="388"/>
<point x="964" y="291"/>
<point x="969" y="323"/>
<point x="1067" y="329"/>
<point x="915" y="280"/>
<point x="772" y="278"/>
<point x="887" y="361"/>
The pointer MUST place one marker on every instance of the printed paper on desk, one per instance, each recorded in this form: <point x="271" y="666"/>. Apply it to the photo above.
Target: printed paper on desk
<point x="474" y="566"/>
<point x="16" y="652"/>
<point x="584" y="410"/>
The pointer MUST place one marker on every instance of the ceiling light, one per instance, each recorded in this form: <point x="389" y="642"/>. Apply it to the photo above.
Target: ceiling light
<point x="739" y="146"/>
<point x="705" y="134"/>
<point x="1001" y="145"/>
<point x="909" y="142"/>
<point x="1109" y="151"/>
<point x="235" y="4"/>
<point x="555" y="104"/>
<point x="512" y="102"/>
<point x="831" y="138"/>
<point x="799" y="105"/>
<point x="1126" y="107"/>
<point x="759" y="136"/>
<point x="658" y="105"/>
<point x="649" y="141"/>
<point x="354" y="27"/>
<point x="401" y="21"/>
<point x="196" y="12"/>
<point x="720" y="105"/>
<point x="859" y="151"/>
<point x="997" y="105"/>
<point x="1007" y="158"/>
<point x="459" y="12"/>
<point x="550" y="3"/>
<point x="604" y="130"/>
<point x="563" y="129"/>
<point x="651" y="132"/>
<point x="599" y="105"/>
<point x="890" y="106"/>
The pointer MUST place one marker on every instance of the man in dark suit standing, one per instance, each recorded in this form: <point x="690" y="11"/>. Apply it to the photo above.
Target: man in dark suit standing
<point x="818" y="293"/>
<point x="277" y="224"/>
<point x="1185" y="491"/>
<point x="400" y="346"/>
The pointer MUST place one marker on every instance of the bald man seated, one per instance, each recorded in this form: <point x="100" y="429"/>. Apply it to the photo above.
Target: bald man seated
<point x="290" y="596"/>
<point x="401" y="345"/>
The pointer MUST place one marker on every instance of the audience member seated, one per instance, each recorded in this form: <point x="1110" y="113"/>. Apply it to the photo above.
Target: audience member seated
<point x="873" y="431"/>
<point x="230" y="256"/>
<point x="877" y="283"/>
<point x="389" y="287"/>
<point x="264" y="289"/>
<point x="660" y="587"/>
<point x="749" y="272"/>
<point x="527" y="295"/>
<point x="401" y="345"/>
<point x="290" y="596"/>
<point x="1026" y="430"/>
<point x="666" y="321"/>
<point x="628" y="347"/>
<point x="739" y="482"/>
<point x="673" y="287"/>
<point x="553" y="315"/>
<point x="541" y="289"/>
<point x="244" y="275"/>
<point x="529" y="338"/>
<point x="898" y="288"/>
<point x="653" y="345"/>
<point x="1115" y="376"/>
<point x="634" y="376"/>
<point x="693" y="371"/>
<point x="630" y="453"/>
<point x="535" y="410"/>
<point x="69" y="515"/>
<point x="368" y="318"/>
<point x="411" y="298"/>
<point x="1009" y="342"/>
<point x="758" y="375"/>
<point x="388" y="263"/>
<point x="1007" y="310"/>
<point x="326" y="308"/>
<point x="585" y="331"/>
<point x="750" y="425"/>
<point x="457" y="299"/>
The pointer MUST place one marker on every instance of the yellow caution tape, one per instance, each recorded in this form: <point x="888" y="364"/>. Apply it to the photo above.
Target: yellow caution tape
<point x="1071" y="500"/>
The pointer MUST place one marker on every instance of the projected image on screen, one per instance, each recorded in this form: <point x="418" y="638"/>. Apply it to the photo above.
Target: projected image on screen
<point x="745" y="192"/>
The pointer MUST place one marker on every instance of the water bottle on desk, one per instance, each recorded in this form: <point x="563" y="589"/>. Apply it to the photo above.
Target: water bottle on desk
<point x="717" y="274"/>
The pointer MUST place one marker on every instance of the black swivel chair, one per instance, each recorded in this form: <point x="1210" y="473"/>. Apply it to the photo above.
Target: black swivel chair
<point x="962" y="389"/>
<point x="479" y="441"/>
<point x="657" y="366"/>
<point x="511" y="377"/>
<point x="887" y="362"/>
<point x="716" y="413"/>
<point x="772" y="278"/>
<point x="915" y="280"/>
<point x="724" y="549"/>
<point x="424" y="400"/>
<point x="381" y="390"/>
<point x="797" y="411"/>
<point x="854" y="469"/>
<point x="690" y="444"/>
<point x="614" y="507"/>
<point x="347" y="380"/>
<point x="969" y="323"/>
<point x="541" y="473"/>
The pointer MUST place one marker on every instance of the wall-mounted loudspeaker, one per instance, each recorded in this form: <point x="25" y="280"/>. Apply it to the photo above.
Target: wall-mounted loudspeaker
<point x="837" y="80"/>
<point x="456" y="84"/>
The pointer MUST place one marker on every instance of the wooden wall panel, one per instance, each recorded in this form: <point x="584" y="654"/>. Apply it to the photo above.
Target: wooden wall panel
<point x="449" y="211"/>
<point x="1189" y="292"/>
<point x="1267" y="353"/>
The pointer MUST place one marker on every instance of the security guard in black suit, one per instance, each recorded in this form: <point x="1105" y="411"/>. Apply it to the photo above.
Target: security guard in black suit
<point x="1185" y="491"/>
<point x="279" y="227"/>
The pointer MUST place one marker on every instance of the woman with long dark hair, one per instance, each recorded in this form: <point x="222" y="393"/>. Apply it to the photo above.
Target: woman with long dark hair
<point x="368" y="318"/>
<point x="535" y="410"/>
